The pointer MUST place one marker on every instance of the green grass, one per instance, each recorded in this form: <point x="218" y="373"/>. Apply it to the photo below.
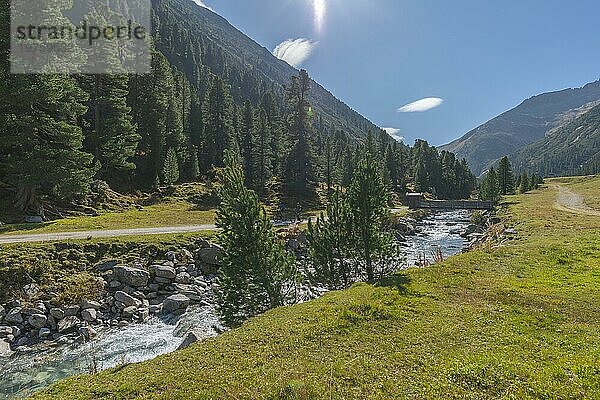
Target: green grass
<point x="169" y="213"/>
<point x="517" y="322"/>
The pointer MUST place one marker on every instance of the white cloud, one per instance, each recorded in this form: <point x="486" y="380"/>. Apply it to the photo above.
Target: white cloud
<point x="421" y="105"/>
<point x="201" y="3"/>
<point x="295" y="52"/>
<point x="395" y="133"/>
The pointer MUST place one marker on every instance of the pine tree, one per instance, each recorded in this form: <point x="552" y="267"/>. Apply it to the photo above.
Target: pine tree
<point x="330" y="243"/>
<point x="300" y="163"/>
<point x="489" y="187"/>
<point x="170" y="172"/>
<point x="256" y="273"/>
<point x="368" y="196"/>
<point x="506" y="178"/>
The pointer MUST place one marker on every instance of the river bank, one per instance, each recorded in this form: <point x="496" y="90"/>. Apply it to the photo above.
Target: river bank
<point x="132" y="323"/>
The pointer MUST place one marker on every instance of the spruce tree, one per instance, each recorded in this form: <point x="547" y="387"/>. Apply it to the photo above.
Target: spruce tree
<point x="247" y="131"/>
<point x="506" y="178"/>
<point x="300" y="163"/>
<point x="170" y="172"/>
<point x="525" y="183"/>
<point x="489" y="187"/>
<point x="262" y="163"/>
<point x="219" y="132"/>
<point x="40" y="140"/>
<point x="256" y="273"/>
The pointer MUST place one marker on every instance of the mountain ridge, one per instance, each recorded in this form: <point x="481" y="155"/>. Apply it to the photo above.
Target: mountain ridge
<point x="530" y="121"/>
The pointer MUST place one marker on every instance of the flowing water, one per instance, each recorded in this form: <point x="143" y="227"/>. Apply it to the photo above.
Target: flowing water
<point x="23" y="374"/>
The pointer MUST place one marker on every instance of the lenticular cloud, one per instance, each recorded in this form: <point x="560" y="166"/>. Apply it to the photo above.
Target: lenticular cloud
<point x="295" y="51"/>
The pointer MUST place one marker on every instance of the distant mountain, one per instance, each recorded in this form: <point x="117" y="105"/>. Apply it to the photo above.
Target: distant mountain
<point x="573" y="149"/>
<point x="532" y="120"/>
<point x="191" y="36"/>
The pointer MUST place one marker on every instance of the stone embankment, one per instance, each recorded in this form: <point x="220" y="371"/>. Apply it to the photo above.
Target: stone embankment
<point x="131" y="294"/>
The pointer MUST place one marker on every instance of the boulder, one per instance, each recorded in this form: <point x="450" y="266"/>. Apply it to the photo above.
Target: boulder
<point x="128" y="312"/>
<point x="126" y="299"/>
<point x="89" y="315"/>
<point x="5" y="351"/>
<point x="5" y="331"/>
<point x="71" y="311"/>
<point x="211" y="255"/>
<point x="68" y="324"/>
<point x="31" y="290"/>
<point x="186" y="257"/>
<point x="44" y="333"/>
<point x="37" y="320"/>
<point x="2" y="312"/>
<point x="189" y="339"/>
<point x="171" y="256"/>
<point x="107" y="265"/>
<point x="131" y="276"/>
<point x="175" y="303"/>
<point x="85" y="304"/>
<point x="164" y="271"/>
<point x="57" y="313"/>
<point x="14" y="316"/>
<point x="183" y="277"/>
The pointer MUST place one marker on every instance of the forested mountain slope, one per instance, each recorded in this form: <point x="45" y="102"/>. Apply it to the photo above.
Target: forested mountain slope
<point x="574" y="149"/>
<point x="531" y="121"/>
<point x="190" y="36"/>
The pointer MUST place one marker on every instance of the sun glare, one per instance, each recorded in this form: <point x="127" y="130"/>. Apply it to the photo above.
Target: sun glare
<point x="320" y="9"/>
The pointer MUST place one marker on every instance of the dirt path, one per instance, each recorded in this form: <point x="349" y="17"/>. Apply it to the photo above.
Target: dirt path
<point x="572" y="202"/>
<point x="47" y="237"/>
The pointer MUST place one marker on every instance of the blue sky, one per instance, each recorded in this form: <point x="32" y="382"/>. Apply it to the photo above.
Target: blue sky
<point x="469" y="59"/>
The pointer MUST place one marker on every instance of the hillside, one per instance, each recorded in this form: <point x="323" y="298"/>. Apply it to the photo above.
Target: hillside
<point x="531" y="121"/>
<point x="512" y="321"/>
<point x="573" y="149"/>
<point x="190" y="35"/>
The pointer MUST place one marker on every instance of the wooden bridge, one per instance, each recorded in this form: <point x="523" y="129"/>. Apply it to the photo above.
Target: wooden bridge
<point x="416" y="201"/>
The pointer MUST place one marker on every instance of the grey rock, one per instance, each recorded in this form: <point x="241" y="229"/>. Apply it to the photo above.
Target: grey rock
<point x="131" y="276"/>
<point x="89" y="315"/>
<point x="128" y="312"/>
<point x="164" y="271"/>
<point x="186" y="256"/>
<point x="14" y="316"/>
<point x="37" y="320"/>
<point x="85" y="304"/>
<point x="164" y="281"/>
<point x="107" y="265"/>
<point x="211" y="255"/>
<point x="183" y="277"/>
<point x="22" y="341"/>
<point x="189" y="339"/>
<point x="16" y="331"/>
<point x="44" y="333"/>
<point x="114" y="284"/>
<point x="87" y="332"/>
<point x="2" y="312"/>
<point x="5" y="331"/>
<point x="175" y="303"/>
<point x="71" y="311"/>
<point x="31" y="290"/>
<point x="124" y="298"/>
<point x="171" y="256"/>
<point x="155" y="309"/>
<point x="57" y="313"/>
<point x="68" y="324"/>
<point x="5" y="351"/>
<point x="143" y="314"/>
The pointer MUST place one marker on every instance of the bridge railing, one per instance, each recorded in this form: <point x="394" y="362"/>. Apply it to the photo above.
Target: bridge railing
<point x="456" y="204"/>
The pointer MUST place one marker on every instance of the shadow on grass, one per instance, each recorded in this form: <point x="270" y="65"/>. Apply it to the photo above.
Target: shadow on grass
<point x="399" y="282"/>
<point x="24" y="227"/>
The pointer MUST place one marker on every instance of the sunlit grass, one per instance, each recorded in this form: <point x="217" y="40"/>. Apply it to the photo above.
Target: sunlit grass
<point x="516" y="322"/>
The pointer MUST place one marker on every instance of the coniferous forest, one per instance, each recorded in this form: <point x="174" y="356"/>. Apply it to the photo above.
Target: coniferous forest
<point x="137" y="132"/>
